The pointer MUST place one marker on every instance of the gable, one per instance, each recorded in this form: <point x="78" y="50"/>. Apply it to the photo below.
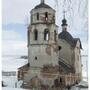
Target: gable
<point x="77" y="42"/>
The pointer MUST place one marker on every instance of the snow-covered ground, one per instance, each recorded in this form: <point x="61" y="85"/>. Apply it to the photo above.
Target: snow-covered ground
<point x="9" y="81"/>
<point x="77" y="88"/>
<point x="6" y="88"/>
<point x="10" y="64"/>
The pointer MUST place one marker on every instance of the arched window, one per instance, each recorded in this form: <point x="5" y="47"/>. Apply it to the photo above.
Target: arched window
<point x="46" y="15"/>
<point x="37" y="16"/>
<point x="55" y="35"/>
<point x="35" y="34"/>
<point x="46" y="34"/>
<point x="60" y="80"/>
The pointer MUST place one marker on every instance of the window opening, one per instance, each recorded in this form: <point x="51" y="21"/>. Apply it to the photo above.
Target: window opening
<point x="46" y="34"/>
<point x="35" y="34"/>
<point x="37" y="16"/>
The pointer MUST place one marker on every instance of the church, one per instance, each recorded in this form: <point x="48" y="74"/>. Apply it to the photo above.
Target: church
<point x="54" y="59"/>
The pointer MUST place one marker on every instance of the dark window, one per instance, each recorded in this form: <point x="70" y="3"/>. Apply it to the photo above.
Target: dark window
<point x="59" y="48"/>
<point x="35" y="34"/>
<point x="60" y="80"/>
<point x="35" y="58"/>
<point x="46" y="15"/>
<point x="37" y="16"/>
<point x="46" y="34"/>
<point x="64" y="28"/>
<point x="55" y="35"/>
<point x="56" y="83"/>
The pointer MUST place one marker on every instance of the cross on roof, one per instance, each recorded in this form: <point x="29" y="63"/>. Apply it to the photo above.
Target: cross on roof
<point x="64" y="14"/>
<point x="42" y="1"/>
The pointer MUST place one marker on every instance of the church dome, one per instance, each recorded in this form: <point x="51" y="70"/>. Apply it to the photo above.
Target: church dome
<point x="42" y="5"/>
<point x="64" y="22"/>
<point x="67" y="37"/>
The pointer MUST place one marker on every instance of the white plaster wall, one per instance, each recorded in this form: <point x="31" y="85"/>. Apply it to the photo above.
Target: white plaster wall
<point x="41" y="28"/>
<point x="41" y="12"/>
<point x="42" y="57"/>
<point x="77" y="64"/>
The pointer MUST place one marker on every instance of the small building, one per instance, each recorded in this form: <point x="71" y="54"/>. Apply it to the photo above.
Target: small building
<point x="53" y="59"/>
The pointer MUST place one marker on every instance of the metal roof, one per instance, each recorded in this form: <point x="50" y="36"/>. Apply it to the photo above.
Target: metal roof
<point x="42" y="5"/>
<point x="68" y="37"/>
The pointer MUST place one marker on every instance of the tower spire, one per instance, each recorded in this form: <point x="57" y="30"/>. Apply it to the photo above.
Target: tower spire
<point x="42" y="1"/>
<point x="64" y="22"/>
<point x="64" y="14"/>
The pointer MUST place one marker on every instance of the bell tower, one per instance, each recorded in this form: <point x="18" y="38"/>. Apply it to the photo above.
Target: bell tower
<point x="42" y="36"/>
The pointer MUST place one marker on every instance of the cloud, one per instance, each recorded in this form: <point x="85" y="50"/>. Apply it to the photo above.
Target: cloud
<point x="10" y="35"/>
<point x="16" y="10"/>
<point x="19" y="29"/>
<point x="12" y="43"/>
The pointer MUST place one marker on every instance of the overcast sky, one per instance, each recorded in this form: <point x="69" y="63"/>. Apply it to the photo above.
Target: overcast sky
<point x="16" y="17"/>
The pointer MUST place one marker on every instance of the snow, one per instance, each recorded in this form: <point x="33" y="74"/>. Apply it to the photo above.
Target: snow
<point x="83" y="83"/>
<point x="77" y="88"/>
<point x="5" y="88"/>
<point x="9" y="81"/>
<point x="12" y="63"/>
